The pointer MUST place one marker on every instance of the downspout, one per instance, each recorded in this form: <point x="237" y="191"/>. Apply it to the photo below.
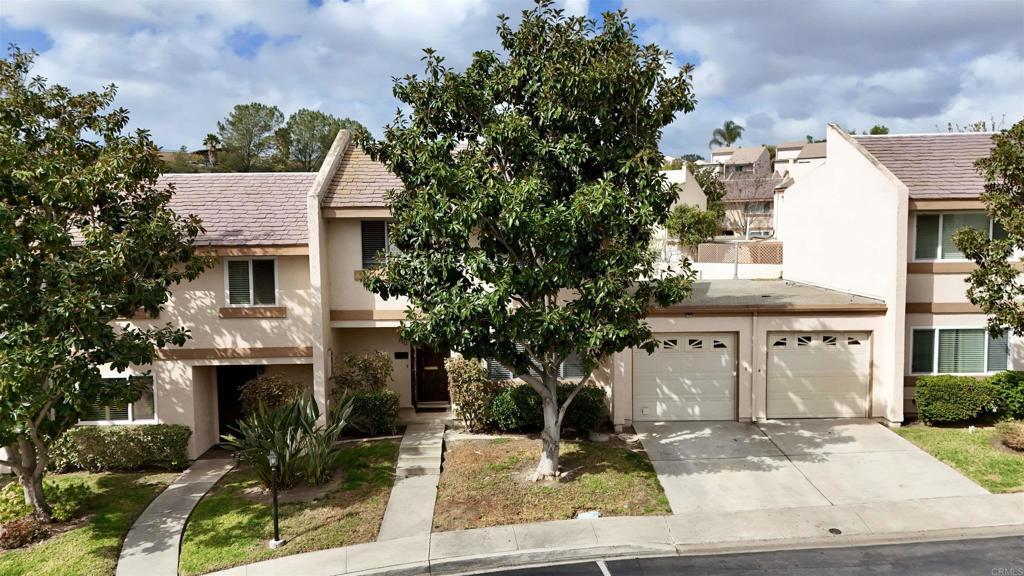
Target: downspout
<point x="753" y="367"/>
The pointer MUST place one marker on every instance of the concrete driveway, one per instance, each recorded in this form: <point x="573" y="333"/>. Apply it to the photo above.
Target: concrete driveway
<point x="730" y="466"/>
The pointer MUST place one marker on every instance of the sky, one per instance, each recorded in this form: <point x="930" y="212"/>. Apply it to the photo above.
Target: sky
<point x="781" y="68"/>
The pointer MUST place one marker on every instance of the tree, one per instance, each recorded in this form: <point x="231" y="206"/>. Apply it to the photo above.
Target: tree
<point x="729" y="133"/>
<point x="247" y="135"/>
<point x="996" y="284"/>
<point x="312" y="132"/>
<point x="86" y="238"/>
<point x="530" y="197"/>
<point x="691" y="225"/>
<point x="212" y="142"/>
<point x="879" y="129"/>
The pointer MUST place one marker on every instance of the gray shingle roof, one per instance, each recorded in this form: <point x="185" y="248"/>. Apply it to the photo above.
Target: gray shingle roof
<point x="933" y="165"/>
<point x="245" y="209"/>
<point x="360" y="182"/>
<point x="812" y="150"/>
<point x="747" y="189"/>
<point x="746" y="155"/>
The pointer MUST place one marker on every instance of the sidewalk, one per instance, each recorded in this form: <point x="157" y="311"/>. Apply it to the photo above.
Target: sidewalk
<point x="410" y="510"/>
<point x="469" y="551"/>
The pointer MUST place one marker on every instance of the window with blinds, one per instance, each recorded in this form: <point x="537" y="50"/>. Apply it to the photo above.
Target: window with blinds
<point x="571" y="368"/>
<point x="957" y="351"/>
<point x="142" y="409"/>
<point x="251" y="282"/>
<point x="961" y="351"/>
<point x="934" y="233"/>
<point x="375" y="243"/>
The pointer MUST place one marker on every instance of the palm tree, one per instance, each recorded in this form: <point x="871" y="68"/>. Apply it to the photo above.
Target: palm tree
<point x="725" y="136"/>
<point x="211" y="142"/>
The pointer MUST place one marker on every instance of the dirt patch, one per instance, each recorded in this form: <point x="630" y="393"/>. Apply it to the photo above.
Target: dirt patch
<point x="299" y="493"/>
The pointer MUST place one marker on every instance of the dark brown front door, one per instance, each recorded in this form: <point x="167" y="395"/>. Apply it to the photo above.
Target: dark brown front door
<point x="229" y="404"/>
<point x="431" y="377"/>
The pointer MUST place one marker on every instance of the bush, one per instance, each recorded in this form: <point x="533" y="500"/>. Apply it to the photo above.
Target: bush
<point x="265" y="429"/>
<point x="22" y="532"/>
<point x="362" y="371"/>
<point x="65" y="500"/>
<point x="374" y="413"/>
<point x="271" y="391"/>
<point x="518" y="408"/>
<point x="944" y="399"/>
<point x="1010" y="390"/>
<point x="1011" y="433"/>
<point x="125" y="448"/>
<point x="471" y="391"/>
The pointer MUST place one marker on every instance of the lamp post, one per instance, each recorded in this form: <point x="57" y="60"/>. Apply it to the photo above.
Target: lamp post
<point x="272" y="460"/>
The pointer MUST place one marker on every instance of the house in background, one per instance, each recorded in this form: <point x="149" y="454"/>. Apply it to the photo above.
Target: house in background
<point x="796" y="159"/>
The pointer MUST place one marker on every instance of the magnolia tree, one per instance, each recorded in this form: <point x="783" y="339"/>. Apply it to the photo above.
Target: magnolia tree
<point x="85" y="238"/>
<point x="996" y="284"/>
<point x="531" y="194"/>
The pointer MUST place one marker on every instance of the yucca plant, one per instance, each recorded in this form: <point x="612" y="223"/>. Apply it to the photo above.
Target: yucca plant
<point x="320" y="441"/>
<point x="264" y="429"/>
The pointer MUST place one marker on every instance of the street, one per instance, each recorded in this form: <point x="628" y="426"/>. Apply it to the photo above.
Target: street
<point x="983" y="557"/>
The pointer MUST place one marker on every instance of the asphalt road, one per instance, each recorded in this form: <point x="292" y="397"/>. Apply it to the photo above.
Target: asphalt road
<point x="986" y="557"/>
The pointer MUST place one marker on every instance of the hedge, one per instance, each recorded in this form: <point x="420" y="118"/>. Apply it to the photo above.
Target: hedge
<point x="518" y="408"/>
<point x="948" y="399"/>
<point x="124" y="448"/>
<point x="1010" y="393"/>
<point x="374" y="412"/>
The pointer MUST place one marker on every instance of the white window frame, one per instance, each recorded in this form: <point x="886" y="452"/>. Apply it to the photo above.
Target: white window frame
<point x="249" y="259"/>
<point x="935" y="351"/>
<point x="131" y="410"/>
<point x="942" y="223"/>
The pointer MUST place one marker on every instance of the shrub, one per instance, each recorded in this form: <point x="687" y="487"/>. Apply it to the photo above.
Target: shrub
<point x="518" y="408"/>
<point x="471" y="391"/>
<point x="265" y="429"/>
<point x="362" y="371"/>
<point x="271" y="391"/>
<point x="320" y="451"/>
<point x="22" y="532"/>
<point x="946" y="398"/>
<point x="1010" y="390"/>
<point x="1011" y="432"/>
<point x="101" y="448"/>
<point x="65" y="500"/>
<point x="374" y="413"/>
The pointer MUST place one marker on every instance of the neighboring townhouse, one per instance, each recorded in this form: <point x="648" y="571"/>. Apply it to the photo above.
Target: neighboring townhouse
<point x="795" y="159"/>
<point x="750" y="204"/>
<point x="786" y="154"/>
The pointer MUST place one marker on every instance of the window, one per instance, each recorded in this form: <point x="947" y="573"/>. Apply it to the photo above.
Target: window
<point x="571" y="368"/>
<point x="804" y="340"/>
<point x="760" y="234"/>
<point x="934" y="233"/>
<point x="957" y="351"/>
<point x="719" y="344"/>
<point x="694" y="343"/>
<point x="780" y="343"/>
<point x="829" y="340"/>
<point x="251" y="282"/>
<point x="759" y="208"/>
<point x="376" y="242"/>
<point x="669" y="344"/>
<point x="495" y="371"/>
<point x="142" y="409"/>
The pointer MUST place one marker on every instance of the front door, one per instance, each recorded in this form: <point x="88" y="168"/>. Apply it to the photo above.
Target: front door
<point x="431" y="376"/>
<point x="229" y="403"/>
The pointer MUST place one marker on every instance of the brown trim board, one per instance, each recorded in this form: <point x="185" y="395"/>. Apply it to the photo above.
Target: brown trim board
<point x="940" y="267"/>
<point x="355" y="212"/>
<point x="769" y="310"/>
<point x="349" y="315"/>
<point x="947" y="204"/>
<point x="942" y="308"/>
<point x="228" y="353"/>
<point x="295" y="250"/>
<point x="254" y="312"/>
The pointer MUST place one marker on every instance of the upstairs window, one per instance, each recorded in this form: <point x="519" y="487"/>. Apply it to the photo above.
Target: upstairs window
<point x="143" y="409"/>
<point x="376" y="236"/>
<point x="934" y="233"/>
<point x="251" y="282"/>
<point x="957" y="351"/>
<point x="759" y="208"/>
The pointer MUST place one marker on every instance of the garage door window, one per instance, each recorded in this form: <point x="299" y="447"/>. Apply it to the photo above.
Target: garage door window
<point x="957" y="351"/>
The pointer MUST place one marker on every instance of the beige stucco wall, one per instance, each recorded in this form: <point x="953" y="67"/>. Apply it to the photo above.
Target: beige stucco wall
<point x="846" y="229"/>
<point x="345" y="257"/>
<point x="943" y="288"/>
<point x="385" y="339"/>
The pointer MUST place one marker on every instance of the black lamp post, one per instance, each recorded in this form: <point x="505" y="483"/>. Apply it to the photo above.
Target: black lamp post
<point x="272" y="460"/>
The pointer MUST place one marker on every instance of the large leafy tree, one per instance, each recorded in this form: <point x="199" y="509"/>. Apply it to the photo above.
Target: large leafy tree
<point x="996" y="285"/>
<point x="248" y="136"/>
<point x="311" y="134"/>
<point x="729" y="133"/>
<point x="531" y="194"/>
<point x="86" y="238"/>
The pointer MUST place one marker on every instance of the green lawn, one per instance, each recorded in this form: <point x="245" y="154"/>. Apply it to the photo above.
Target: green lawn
<point x="228" y="528"/>
<point x="115" y="500"/>
<point x="975" y="455"/>
<point x="489" y="483"/>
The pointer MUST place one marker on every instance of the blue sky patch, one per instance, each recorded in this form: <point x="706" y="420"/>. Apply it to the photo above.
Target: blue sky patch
<point x="246" y="42"/>
<point x="26" y="39"/>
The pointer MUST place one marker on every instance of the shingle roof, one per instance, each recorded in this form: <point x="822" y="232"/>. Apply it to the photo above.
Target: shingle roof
<point x="360" y="182"/>
<point x="746" y="155"/>
<point x="747" y="189"/>
<point x="790" y="145"/>
<point x="812" y="150"/>
<point x="933" y="165"/>
<point x="244" y="209"/>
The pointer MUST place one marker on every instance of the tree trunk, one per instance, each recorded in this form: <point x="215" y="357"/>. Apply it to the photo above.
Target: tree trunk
<point x="551" y="436"/>
<point x="28" y="460"/>
<point x="32" y="485"/>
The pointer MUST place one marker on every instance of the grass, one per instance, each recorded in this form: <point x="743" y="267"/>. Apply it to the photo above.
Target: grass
<point x="976" y="455"/>
<point x="229" y="527"/>
<point x="489" y="483"/>
<point x="114" y="502"/>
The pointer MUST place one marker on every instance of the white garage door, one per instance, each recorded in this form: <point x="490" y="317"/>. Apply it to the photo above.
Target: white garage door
<point x="689" y="377"/>
<point x="818" y="374"/>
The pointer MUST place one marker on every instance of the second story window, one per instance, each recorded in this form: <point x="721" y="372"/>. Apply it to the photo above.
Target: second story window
<point x="251" y="282"/>
<point x="933" y="239"/>
<point x="759" y="208"/>
<point x="376" y="242"/>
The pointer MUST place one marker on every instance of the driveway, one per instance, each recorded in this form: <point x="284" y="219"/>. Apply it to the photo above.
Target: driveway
<point x="730" y="466"/>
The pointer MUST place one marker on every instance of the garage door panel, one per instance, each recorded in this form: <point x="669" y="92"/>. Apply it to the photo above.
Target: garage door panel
<point x="691" y="377"/>
<point x="818" y="375"/>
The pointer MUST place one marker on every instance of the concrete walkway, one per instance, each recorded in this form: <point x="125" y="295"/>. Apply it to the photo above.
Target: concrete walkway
<point x="470" y="551"/>
<point x="153" y="542"/>
<point x="410" y="510"/>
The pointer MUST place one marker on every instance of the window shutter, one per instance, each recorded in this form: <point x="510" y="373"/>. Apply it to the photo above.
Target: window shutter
<point x="998" y="352"/>
<point x="238" y="282"/>
<point x="264" y="291"/>
<point x="953" y="222"/>
<point x="927" y="239"/>
<point x="571" y="366"/>
<point x="495" y="371"/>
<point x="961" y="351"/>
<point x="923" y="354"/>
<point x="374" y="242"/>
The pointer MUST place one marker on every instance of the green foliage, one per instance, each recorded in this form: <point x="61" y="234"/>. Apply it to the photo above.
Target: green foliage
<point x="375" y="412"/>
<point x="517" y="408"/>
<point x="471" y="390"/>
<point x="248" y="136"/>
<point x="130" y="447"/>
<point x="534" y="173"/>
<point x="996" y="284"/>
<point x="690" y="224"/>
<point x="1010" y="390"/>
<point x="311" y="134"/>
<point x="1011" y="432"/>
<point x="271" y="390"/>
<point x="948" y="399"/>
<point x="22" y="532"/>
<point x="367" y="371"/>
<point x="727" y="135"/>
<point x="277" y="429"/>
<point x="879" y="129"/>
<point x="85" y="238"/>
<point x="66" y="499"/>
